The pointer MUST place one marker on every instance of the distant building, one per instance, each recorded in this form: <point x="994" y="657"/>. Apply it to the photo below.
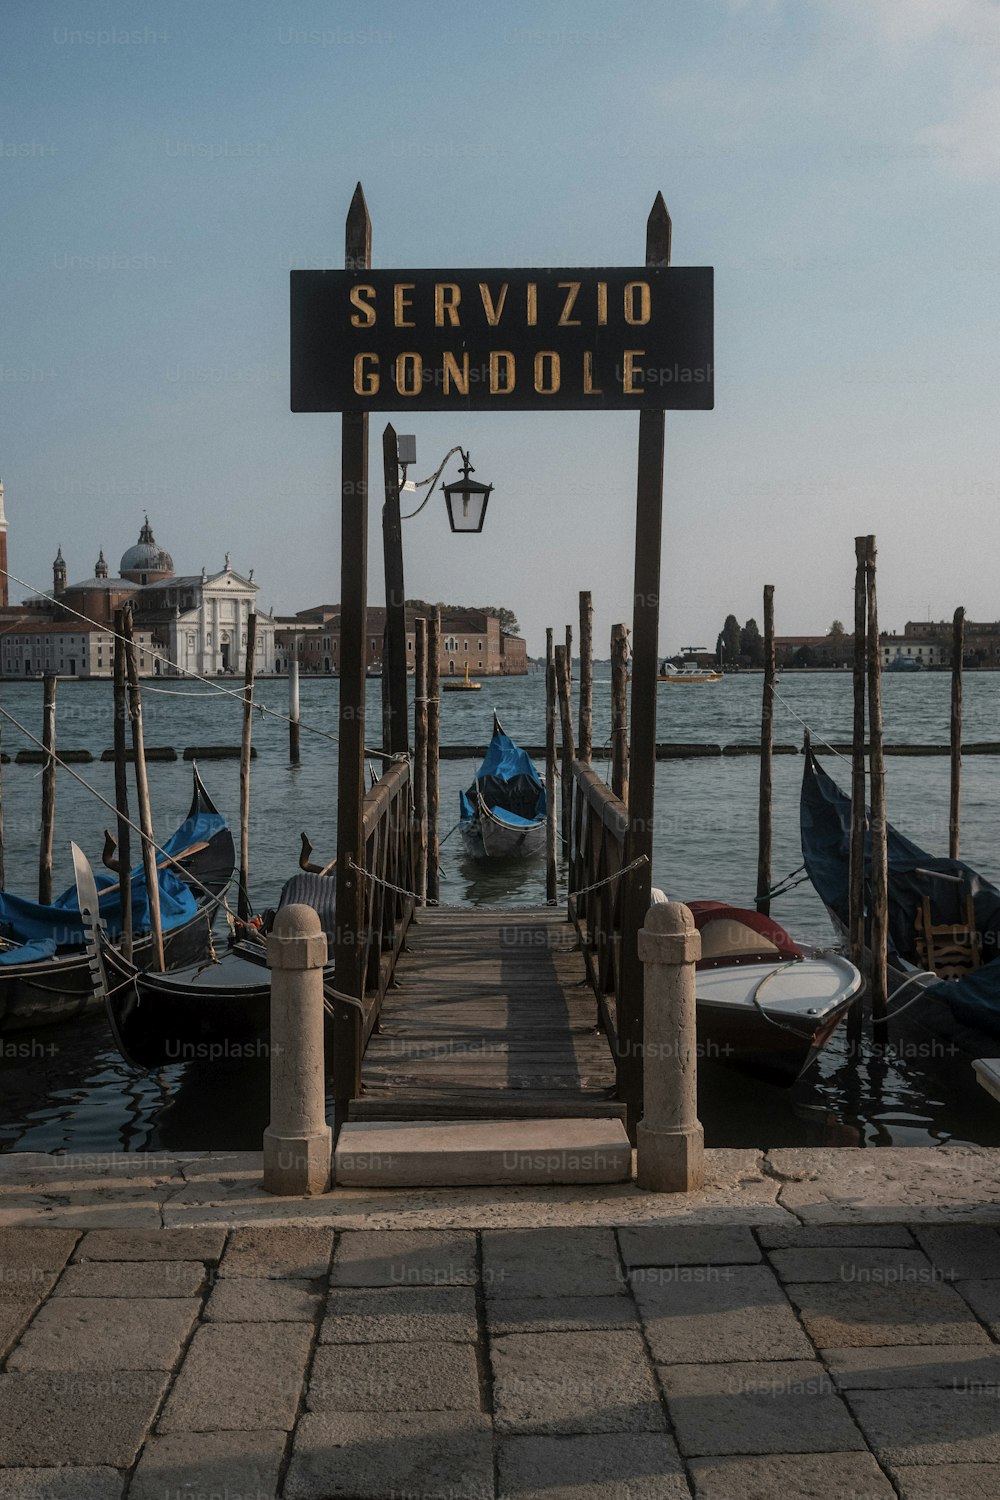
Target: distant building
<point x="469" y="637"/>
<point x="194" y="624"/>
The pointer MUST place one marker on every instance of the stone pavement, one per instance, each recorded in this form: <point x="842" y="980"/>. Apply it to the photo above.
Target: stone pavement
<point x="714" y="1346"/>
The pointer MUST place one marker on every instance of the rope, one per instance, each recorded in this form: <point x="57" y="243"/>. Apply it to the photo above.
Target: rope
<point x="788" y="883"/>
<point x="216" y="687"/>
<point x="819" y="740"/>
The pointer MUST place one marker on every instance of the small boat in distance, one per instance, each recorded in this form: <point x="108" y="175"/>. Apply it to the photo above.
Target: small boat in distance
<point x="456" y="685"/>
<point x="688" y="671"/>
<point x="503" y="812"/>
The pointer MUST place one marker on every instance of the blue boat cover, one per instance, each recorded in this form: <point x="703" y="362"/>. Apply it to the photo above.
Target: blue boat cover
<point x="31" y="953"/>
<point x="825" y="818"/>
<point x="27" y="922"/>
<point x="509" y="785"/>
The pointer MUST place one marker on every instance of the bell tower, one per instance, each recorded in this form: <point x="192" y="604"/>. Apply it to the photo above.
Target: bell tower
<point x="59" y="574"/>
<point x="4" y="589"/>
<point x="101" y="567"/>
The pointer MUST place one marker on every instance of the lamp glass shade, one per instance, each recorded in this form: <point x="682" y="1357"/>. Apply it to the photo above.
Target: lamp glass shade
<point x="466" y="500"/>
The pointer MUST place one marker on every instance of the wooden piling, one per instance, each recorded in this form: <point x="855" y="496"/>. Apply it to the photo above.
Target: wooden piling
<point x="433" y="757"/>
<point x="879" y="851"/>
<point x="293" y="709"/>
<point x="3" y="876"/>
<point x="856" y="865"/>
<point x="568" y="747"/>
<point x="586" y="736"/>
<point x="764" y="806"/>
<point x="957" y="653"/>
<point x="619" y="712"/>
<point x="243" y="894"/>
<point x="420" y="756"/>
<point x="121" y="788"/>
<point x="48" y="790"/>
<point x="551" y="887"/>
<point x="142" y="794"/>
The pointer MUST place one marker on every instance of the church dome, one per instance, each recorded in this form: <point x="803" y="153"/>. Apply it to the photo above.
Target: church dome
<point x="141" y="562"/>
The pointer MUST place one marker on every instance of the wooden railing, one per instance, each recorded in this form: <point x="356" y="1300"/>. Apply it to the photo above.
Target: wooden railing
<point x="600" y="825"/>
<point x="390" y="859"/>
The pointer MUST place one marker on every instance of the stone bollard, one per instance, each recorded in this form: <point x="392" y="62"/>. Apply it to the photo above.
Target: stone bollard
<point x="670" y="1140"/>
<point x="298" y="1143"/>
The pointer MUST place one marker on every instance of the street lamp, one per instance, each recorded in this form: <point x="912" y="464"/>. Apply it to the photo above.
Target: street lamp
<point x="465" y="498"/>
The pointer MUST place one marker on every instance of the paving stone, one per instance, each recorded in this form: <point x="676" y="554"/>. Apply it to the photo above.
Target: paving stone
<point x="61" y="1484"/>
<point x="77" y="1419"/>
<point x="405" y="1257"/>
<point x="822" y="1237"/>
<point x="574" y="1382"/>
<point x="884" y="1267"/>
<point x="394" y="1377"/>
<point x="956" y="1482"/>
<point x="683" y="1245"/>
<point x="904" y="1366"/>
<point x="386" y="1315"/>
<point x="29" y="1250"/>
<point x="241" y="1377"/>
<point x="106" y="1333"/>
<point x="727" y="1313"/>
<point x="551" y="1263"/>
<point x="930" y="1426"/>
<point x="585" y="1466"/>
<point x="894" y="1184"/>
<point x="796" y="1476"/>
<point x="984" y="1299"/>
<point x="558" y="1314"/>
<point x="293" y="1252"/>
<point x="132" y="1278"/>
<point x="784" y="1406"/>
<point x="152" y="1244"/>
<point x="964" y="1252"/>
<point x="841" y="1315"/>
<point x="15" y="1315"/>
<point x="205" y="1465"/>
<point x="380" y="1455"/>
<point x="262" y="1299"/>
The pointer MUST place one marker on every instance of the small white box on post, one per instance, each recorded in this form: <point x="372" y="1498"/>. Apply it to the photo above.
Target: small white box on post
<point x="298" y="1143"/>
<point x="670" y="1141"/>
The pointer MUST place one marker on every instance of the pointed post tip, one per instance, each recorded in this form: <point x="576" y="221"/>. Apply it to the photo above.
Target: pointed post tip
<point x="659" y="229"/>
<point x="359" y="232"/>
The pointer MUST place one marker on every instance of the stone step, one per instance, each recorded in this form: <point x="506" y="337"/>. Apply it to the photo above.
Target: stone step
<point x="481" y="1153"/>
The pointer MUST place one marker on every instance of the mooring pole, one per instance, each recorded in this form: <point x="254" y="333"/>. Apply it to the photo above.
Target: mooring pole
<point x="586" y="736"/>
<point x="764" y="809"/>
<point x="420" y="756"/>
<point x="568" y="748"/>
<point x="142" y="794"/>
<point x="551" y="887"/>
<point x="856" y="866"/>
<point x="121" y="788"/>
<point x="293" y="707"/>
<point x="619" y="712"/>
<point x="3" y="877"/>
<point x="394" y="656"/>
<point x="433" y="755"/>
<point x="880" y="863"/>
<point x="48" y="790"/>
<point x="243" y="894"/>
<point x="349" y="945"/>
<point x="957" y="653"/>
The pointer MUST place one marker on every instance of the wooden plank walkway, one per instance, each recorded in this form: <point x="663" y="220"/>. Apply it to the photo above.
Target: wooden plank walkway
<point x="493" y="1019"/>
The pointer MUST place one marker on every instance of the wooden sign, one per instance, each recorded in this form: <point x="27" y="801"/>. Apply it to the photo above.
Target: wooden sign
<point x="516" y="340"/>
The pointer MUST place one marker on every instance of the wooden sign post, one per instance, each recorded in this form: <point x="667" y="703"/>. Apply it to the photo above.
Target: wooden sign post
<point x="634" y="338"/>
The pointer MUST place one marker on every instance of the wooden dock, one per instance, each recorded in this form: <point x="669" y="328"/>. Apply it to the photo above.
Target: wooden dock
<point x="492" y="1019"/>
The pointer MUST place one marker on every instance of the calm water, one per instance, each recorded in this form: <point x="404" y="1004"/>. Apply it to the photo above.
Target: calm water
<point x="67" y="1088"/>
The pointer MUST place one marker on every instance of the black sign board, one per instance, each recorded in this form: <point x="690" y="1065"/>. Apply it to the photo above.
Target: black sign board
<point x="524" y="340"/>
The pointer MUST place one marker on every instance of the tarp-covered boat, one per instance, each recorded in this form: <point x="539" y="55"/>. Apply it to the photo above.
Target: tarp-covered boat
<point x="503" y="812"/>
<point x="765" y="1003"/>
<point x="944" y="919"/>
<point x="44" y="974"/>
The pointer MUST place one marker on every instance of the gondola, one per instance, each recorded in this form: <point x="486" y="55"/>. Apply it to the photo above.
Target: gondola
<point x="944" y="922"/>
<point x="44" y="970"/>
<point x="502" y="815"/>
<point x="214" y="1010"/>
<point x="765" y="1004"/>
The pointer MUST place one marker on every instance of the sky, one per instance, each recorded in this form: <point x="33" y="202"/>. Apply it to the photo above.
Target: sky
<point x="164" y="164"/>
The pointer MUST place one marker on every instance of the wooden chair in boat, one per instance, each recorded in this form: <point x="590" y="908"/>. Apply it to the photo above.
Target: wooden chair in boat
<point x="950" y="949"/>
